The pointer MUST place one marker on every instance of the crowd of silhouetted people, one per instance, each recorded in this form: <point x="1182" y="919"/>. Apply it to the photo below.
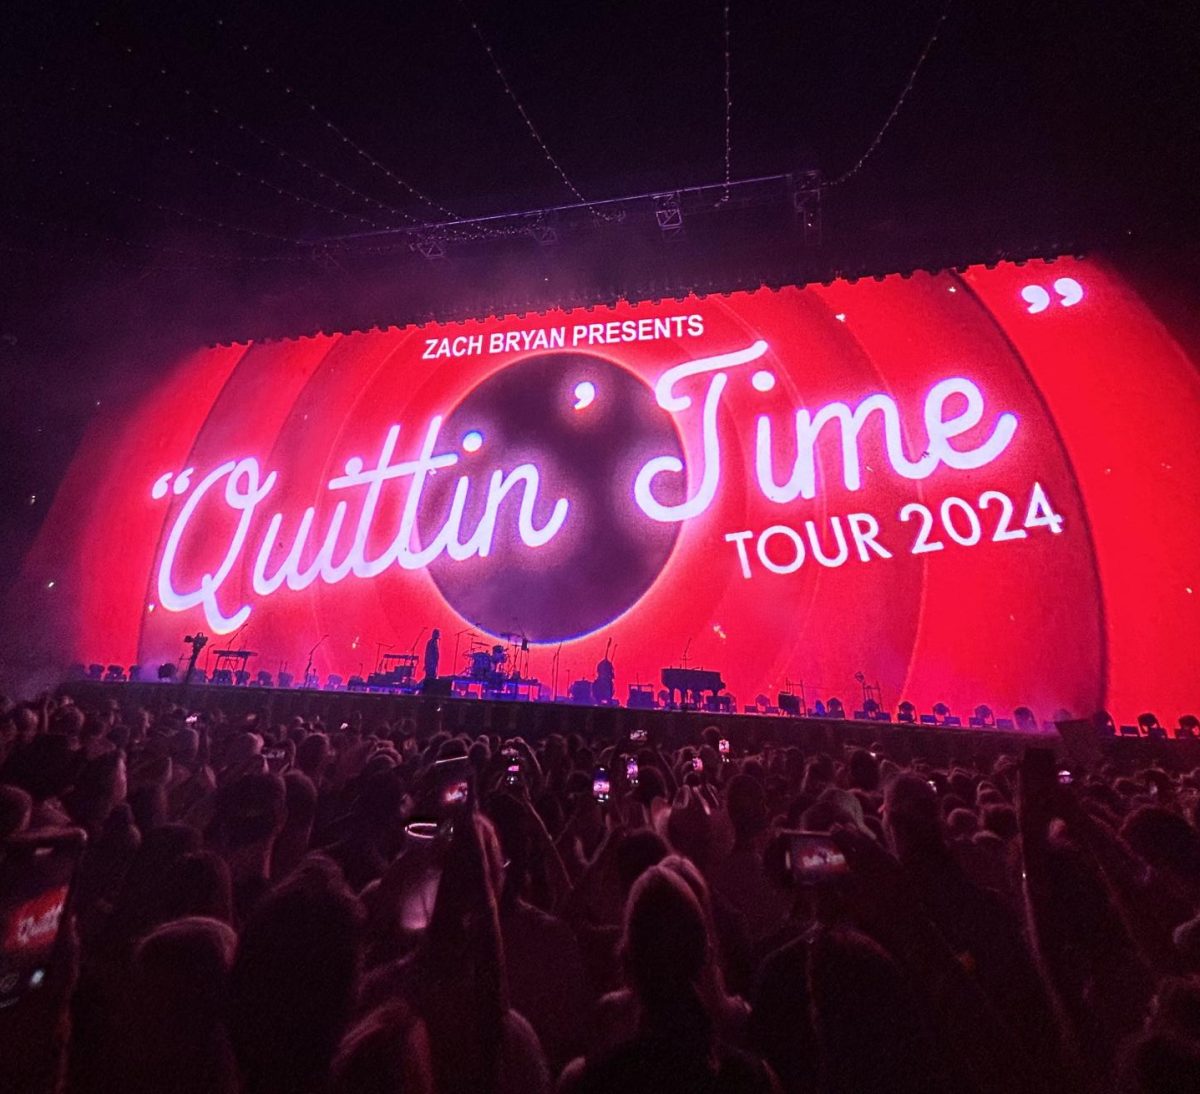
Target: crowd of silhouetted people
<point x="262" y="908"/>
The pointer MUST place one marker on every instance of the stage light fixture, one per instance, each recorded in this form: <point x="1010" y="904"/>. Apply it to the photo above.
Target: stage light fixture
<point x="1148" y="724"/>
<point x="835" y="709"/>
<point x="167" y="670"/>
<point x="668" y="214"/>
<point x="545" y="235"/>
<point x="1025" y="720"/>
<point x="1189" y="727"/>
<point x="906" y="712"/>
<point x="430" y="247"/>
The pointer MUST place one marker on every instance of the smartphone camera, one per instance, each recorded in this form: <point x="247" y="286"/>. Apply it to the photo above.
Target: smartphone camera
<point x="723" y="749"/>
<point x="192" y="719"/>
<point x="812" y="860"/>
<point x="638" y="736"/>
<point x="697" y="764"/>
<point x="601" y="790"/>
<point x="631" y="771"/>
<point x="452" y="787"/>
<point x="37" y="871"/>
<point x="512" y="773"/>
<point x="1065" y="777"/>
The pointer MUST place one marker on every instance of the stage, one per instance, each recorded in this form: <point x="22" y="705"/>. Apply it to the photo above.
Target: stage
<point x="902" y="742"/>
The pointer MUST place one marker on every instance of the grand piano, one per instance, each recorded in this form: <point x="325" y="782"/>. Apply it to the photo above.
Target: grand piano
<point x="693" y="681"/>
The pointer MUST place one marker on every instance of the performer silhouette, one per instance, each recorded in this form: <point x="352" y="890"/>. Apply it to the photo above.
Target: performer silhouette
<point x="431" y="654"/>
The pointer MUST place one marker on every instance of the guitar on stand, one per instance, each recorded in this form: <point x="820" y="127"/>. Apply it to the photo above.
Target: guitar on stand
<point x="605" y="683"/>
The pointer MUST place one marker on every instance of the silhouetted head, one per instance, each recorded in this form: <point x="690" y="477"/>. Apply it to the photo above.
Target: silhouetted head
<point x="295" y="980"/>
<point x="387" y="1052"/>
<point x="178" y="997"/>
<point x="747" y="807"/>
<point x="865" y="1017"/>
<point x="665" y="947"/>
<point x="910" y="816"/>
<point x="863" y="769"/>
<point x="1165" y="840"/>
<point x="16" y="807"/>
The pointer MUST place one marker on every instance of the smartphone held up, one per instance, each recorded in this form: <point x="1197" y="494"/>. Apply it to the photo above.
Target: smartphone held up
<point x="37" y="874"/>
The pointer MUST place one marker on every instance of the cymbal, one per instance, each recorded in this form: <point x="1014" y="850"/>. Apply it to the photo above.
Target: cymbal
<point x="511" y="636"/>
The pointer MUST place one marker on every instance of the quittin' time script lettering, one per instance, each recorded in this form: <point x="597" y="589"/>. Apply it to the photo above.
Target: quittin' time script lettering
<point x="341" y="548"/>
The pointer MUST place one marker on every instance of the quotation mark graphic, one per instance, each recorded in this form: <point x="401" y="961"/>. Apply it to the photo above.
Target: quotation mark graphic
<point x="182" y="481"/>
<point x="1069" y="290"/>
<point x="585" y="394"/>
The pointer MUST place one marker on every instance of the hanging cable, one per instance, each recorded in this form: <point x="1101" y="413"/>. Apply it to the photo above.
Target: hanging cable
<point x="728" y="111"/>
<point x="508" y="90"/>
<point x="278" y="149"/>
<point x="912" y="79"/>
<point x="358" y="150"/>
<point x="225" y="165"/>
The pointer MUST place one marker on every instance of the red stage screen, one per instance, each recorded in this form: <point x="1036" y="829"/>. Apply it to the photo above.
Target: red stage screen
<point x="975" y="488"/>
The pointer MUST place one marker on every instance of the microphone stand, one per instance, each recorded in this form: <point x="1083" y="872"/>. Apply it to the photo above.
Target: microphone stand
<point x="308" y="667"/>
<point x="454" y="670"/>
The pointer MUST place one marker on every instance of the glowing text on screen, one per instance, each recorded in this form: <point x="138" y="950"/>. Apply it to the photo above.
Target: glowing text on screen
<point x="952" y="407"/>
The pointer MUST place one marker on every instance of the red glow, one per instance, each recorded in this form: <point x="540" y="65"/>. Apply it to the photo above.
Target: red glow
<point x="1102" y="397"/>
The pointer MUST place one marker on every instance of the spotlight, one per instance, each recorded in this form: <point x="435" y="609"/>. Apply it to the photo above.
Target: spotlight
<point x="167" y="670"/>
<point x="906" y="712"/>
<point x="1149" y="725"/>
<point x="1189" y="727"/>
<point x="983" y="716"/>
<point x="1025" y="720"/>
<point x="835" y="709"/>
<point x="264" y="679"/>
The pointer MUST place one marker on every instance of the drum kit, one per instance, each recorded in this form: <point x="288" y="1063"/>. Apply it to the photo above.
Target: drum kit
<point x="493" y="666"/>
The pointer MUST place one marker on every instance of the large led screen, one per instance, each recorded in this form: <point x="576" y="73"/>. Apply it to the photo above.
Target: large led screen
<point x="969" y="488"/>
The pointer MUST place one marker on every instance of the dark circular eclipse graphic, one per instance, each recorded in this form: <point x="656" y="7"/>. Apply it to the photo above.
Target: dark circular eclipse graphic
<point x="587" y="426"/>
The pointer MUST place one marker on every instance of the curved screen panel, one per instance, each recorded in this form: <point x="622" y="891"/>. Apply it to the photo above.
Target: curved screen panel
<point x="959" y="488"/>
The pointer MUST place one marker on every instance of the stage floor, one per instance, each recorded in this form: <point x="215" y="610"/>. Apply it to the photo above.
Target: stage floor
<point x="534" y="720"/>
